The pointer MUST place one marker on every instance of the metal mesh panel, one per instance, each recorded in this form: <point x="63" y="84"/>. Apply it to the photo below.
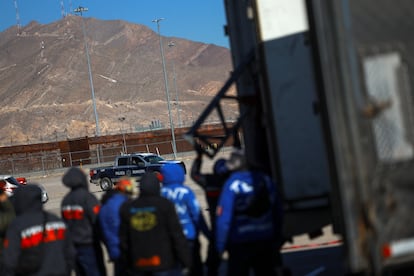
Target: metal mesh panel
<point x="382" y="75"/>
<point x="381" y="32"/>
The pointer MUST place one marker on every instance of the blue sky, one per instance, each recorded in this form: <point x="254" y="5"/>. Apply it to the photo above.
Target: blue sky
<point x="197" y="20"/>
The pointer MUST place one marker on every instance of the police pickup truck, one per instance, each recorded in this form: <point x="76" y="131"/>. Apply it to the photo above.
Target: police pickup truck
<point x="133" y="165"/>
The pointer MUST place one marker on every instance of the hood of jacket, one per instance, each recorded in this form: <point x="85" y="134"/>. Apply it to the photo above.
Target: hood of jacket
<point x="172" y="174"/>
<point x="27" y="198"/>
<point x="75" y="178"/>
<point x="149" y="185"/>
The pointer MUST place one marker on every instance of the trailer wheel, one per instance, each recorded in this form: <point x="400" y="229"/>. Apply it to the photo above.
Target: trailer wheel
<point x="106" y="184"/>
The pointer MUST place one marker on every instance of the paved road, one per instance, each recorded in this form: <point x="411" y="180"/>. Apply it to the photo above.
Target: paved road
<point x="310" y="259"/>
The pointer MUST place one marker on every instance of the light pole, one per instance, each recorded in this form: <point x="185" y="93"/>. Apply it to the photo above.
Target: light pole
<point x="80" y="10"/>
<point x="122" y="119"/>
<point x="166" y="87"/>
<point x="172" y="44"/>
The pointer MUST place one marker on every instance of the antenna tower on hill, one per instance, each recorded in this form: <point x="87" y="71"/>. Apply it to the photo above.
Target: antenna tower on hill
<point x="70" y="7"/>
<point x="62" y="9"/>
<point x="17" y="17"/>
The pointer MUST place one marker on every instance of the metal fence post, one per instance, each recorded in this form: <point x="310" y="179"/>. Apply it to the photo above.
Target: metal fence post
<point x="12" y="165"/>
<point x="70" y="159"/>
<point x="43" y="164"/>
<point x="98" y="154"/>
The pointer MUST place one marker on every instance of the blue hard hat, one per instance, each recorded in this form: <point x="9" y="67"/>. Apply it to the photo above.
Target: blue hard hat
<point x="220" y="166"/>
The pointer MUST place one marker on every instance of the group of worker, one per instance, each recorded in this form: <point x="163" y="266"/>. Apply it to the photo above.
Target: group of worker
<point x="155" y="233"/>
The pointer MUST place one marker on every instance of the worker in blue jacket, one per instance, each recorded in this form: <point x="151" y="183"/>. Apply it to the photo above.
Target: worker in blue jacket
<point x="188" y="210"/>
<point x="249" y="220"/>
<point x="110" y="220"/>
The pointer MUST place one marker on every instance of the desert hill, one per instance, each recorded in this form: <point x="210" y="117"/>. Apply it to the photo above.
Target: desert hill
<point x="45" y="89"/>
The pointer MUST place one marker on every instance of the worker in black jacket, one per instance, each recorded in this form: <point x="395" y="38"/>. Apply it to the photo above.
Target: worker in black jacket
<point x="151" y="236"/>
<point x="37" y="242"/>
<point x="212" y="184"/>
<point x="7" y="214"/>
<point x="80" y="209"/>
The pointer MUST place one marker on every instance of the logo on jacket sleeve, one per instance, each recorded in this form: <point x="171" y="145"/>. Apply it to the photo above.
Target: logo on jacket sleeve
<point x="73" y="212"/>
<point x="151" y="261"/>
<point x="96" y="209"/>
<point x="34" y="235"/>
<point x="239" y="186"/>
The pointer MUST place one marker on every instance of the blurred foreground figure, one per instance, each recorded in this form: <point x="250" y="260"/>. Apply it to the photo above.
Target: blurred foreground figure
<point x="37" y="242"/>
<point x="80" y="210"/>
<point x="152" y="240"/>
<point x="249" y="220"/>
<point x="188" y="210"/>
<point x="6" y="216"/>
<point x="109" y="219"/>
<point x="212" y="184"/>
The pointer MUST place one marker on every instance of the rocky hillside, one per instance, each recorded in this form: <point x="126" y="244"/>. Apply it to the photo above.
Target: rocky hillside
<point x="45" y="89"/>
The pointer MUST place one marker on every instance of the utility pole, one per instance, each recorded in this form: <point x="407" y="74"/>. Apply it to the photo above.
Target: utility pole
<point x="81" y="10"/>
<point x="97" y="130"/>
<point x="170" y="45"/>
<point x="157" y="21"/>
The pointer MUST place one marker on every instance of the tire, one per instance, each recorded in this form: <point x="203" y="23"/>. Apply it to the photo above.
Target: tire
<point x="106" y="184"/>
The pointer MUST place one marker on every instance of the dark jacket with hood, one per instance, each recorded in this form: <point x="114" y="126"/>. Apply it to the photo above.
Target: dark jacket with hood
<point x="212" y="184"/>
<point x="79" y="207"/>
<point x="7" y="214"/>
<point x="150" y="233"/>
<point x="34" y="228"/>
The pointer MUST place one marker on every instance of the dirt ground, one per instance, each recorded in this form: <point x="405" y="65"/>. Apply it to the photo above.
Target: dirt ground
<point x="56" y="190"/>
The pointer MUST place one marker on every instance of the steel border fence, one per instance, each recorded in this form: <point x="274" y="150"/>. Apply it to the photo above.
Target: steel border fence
<point x="47" y="161"/>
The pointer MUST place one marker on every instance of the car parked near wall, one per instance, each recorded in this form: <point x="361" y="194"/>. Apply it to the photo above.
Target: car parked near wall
<point x="9" y="184"/>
